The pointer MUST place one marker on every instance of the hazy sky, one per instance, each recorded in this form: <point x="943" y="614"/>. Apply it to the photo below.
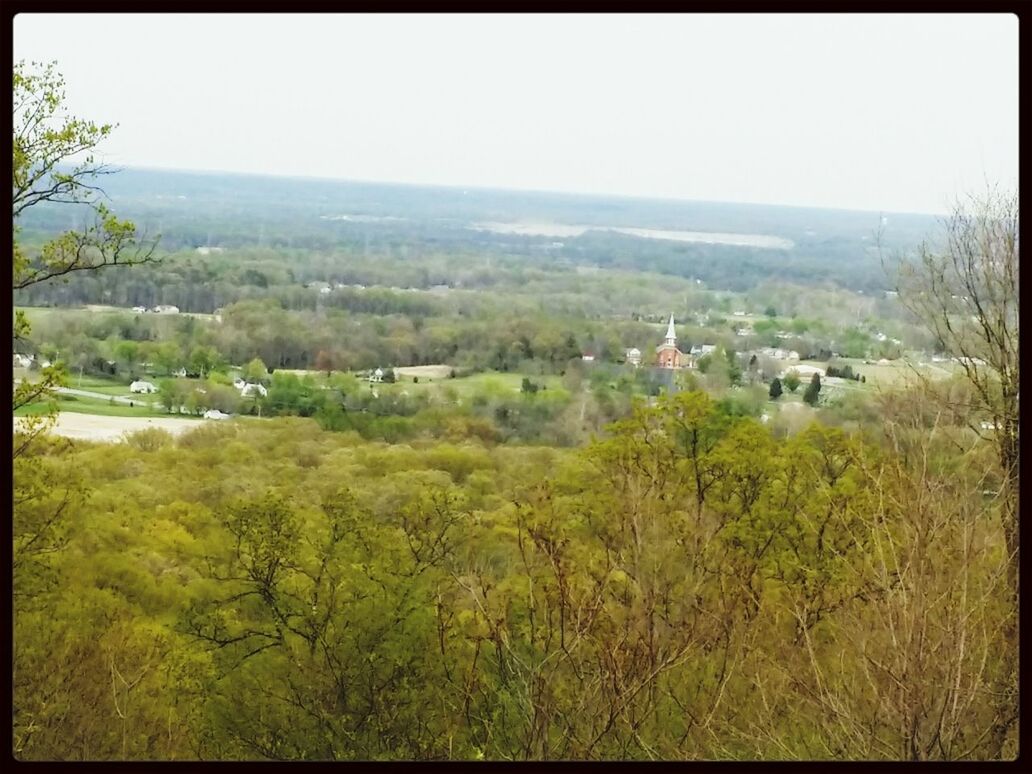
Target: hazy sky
<point x="879" y="112"/>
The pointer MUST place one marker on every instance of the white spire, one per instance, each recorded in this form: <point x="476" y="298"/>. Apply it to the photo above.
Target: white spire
<point x="671" y="337"/>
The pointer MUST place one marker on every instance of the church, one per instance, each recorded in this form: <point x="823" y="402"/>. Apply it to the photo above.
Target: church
<point x="667" y="353"/>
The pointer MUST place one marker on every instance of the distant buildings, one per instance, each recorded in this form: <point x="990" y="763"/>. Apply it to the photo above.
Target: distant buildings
<point x="803" y="371"/>
<point x="633" y="356"/>
<point x="780" y="354"/>
<point x="165" y="309"/>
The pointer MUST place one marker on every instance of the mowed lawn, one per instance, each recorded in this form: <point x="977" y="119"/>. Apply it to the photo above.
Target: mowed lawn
<point x="895" y="373"/>
<point x="492" y="382"/>
<point x="79" y="405"/>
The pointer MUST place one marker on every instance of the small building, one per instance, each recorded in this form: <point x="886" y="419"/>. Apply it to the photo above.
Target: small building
<point x="702" y="349"/>
<point x="22" y="361"/>
<point x="633" y="356"/>
<point x="180" y="373"/>
<point x="667" y="353"/>
<point x="143" y="387"/>
<point x="250" y="390"/>
<point x="139" y="309"/>
<point x="376" y="376"/>
<point x="166" y="309"/>
<point x="215" y="414"/>
<point x="587" y="357"/>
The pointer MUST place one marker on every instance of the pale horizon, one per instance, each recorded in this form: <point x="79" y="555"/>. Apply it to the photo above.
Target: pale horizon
<point x="848" y="112"/>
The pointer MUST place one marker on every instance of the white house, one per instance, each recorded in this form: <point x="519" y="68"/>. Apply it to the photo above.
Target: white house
<point x="22" y="361"/>
<point x="166" y="309"/>
<point x="702" y="349"/>
<point x="633" y="356"/>
<point x="248" y="390"/>
<point x="215" y="414"/>
<point x="376" y="376"/>
<point x="142" y="387"/>
<point x="139" y="309"/>
<point x="587" y="357"/>
<point x="180" y="372"/>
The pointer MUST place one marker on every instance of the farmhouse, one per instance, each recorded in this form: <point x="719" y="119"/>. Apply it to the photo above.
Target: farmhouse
<point x="633" y="356"/>
<point x="142" y="387"/>
<point x="249" y="390"/>
<point x="166" y="309"/>
<point x="22" y="361"/>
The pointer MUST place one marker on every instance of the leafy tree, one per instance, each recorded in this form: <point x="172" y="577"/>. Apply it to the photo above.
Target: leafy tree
<point x="255" y="372"/>
<point x="792" y="380"/>
<point x="965" y="291"/>
<point x="813" y="390"/>
<point x="204" y="359"/>
<point x="324" y="361"/>
<point x="127" y="353"/>
<point x="45" y="139"/>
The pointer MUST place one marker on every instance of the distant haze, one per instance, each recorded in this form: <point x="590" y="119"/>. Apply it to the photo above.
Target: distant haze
<point x="875" y="112"/>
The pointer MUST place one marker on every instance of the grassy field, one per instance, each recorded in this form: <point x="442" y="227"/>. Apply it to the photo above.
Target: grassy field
<point x="895" y="373"/>
<point x="489" y="381"/>
<point x="97" y="406"/>
<point x="39" y="312"/>
<point x="118" y="387"/>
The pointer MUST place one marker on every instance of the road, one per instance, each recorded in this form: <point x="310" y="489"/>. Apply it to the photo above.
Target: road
<point x="142" y="400"/>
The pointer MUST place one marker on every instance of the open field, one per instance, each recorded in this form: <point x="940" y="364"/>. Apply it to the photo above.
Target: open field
<point x="895" y="373"/>
<point x="76" y="404"/>
<point x="427" y="371"/>
<point x="488" y="381"/>
<point x="113" y="428"/>
<point x="38" y="312"/>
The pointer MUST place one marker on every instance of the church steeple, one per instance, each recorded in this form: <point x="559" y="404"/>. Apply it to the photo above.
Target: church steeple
<point x="671" y="337"/>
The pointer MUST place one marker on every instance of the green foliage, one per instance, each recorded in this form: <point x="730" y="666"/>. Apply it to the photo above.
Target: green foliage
<point x="266" y="590"/>
<point x="791" y="380"/>
<point x="812" y="393"/>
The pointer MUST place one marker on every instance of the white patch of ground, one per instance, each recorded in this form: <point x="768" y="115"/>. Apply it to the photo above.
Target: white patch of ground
<point x="428" y="371"/>
<point x="92" y="427"/>
<point x="567" y="230"/>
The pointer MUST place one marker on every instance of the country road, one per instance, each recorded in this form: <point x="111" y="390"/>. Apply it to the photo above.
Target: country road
<point x="142" y="400"/>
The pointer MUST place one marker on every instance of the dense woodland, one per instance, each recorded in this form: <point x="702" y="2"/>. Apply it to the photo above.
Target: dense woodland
<point x="688" y="587"/>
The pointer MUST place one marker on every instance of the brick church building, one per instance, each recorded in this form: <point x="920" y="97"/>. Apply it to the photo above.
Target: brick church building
<point x="667" y="353"/>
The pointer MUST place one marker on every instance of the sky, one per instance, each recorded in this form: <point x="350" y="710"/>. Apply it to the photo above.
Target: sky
<point x="884" y="112"/>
